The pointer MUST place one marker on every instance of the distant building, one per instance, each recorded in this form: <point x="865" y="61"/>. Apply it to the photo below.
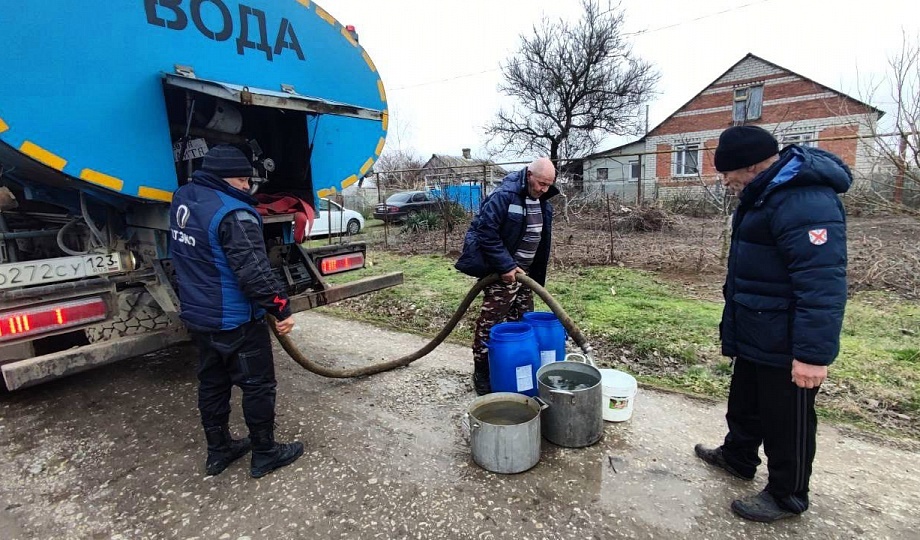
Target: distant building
<point x="679" y="151"/>
<point x="453" y="170"/>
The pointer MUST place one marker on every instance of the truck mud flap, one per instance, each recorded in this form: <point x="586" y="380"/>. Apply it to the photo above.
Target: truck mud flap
<point x="32" y="371"/>
<point x="303" y="302"/>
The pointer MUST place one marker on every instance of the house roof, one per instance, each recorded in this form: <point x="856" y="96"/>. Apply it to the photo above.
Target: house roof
<point x="726" y="72"/>
<point x="613" y="151"/>
<point x="461" y="165"/>
<point x="777" y="66"/>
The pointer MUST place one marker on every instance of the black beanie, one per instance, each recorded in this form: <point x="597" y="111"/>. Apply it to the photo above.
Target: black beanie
<point x="743" y="146"/>
<point x="227" y="161"/>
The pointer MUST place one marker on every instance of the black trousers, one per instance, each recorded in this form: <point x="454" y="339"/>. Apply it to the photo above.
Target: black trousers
<point x="765" y="406"/>
<point x="241" y="357"/>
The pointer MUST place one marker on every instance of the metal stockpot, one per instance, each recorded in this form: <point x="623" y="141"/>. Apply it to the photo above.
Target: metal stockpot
<point x="574" y="418"/>
<point x="505" y="444"/>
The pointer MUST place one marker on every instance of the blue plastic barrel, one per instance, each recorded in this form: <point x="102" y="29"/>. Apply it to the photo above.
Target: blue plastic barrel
<point x="513" y="358"/>
<point x="550" y="335"/>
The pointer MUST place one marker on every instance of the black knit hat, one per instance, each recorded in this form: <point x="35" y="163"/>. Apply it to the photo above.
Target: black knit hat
<point x="227" y="161"/>
<point x="743" y="146"/>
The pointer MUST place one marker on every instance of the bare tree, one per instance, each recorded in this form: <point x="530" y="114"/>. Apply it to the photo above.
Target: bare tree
<point x="894" y="183"/>
<point x="400" y="168"/>
<point x="573" y="83"/>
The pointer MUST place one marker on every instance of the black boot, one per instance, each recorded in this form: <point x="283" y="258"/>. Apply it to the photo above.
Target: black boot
<point x="481" y="381"/>
<point x="223" y="449"/>
<point x="267" y="455"/>
<point x="714" y="457"/>
<point x="762" y="507"/>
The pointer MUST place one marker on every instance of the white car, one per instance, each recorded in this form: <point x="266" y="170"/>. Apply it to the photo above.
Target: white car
<point x="332" y="218"/>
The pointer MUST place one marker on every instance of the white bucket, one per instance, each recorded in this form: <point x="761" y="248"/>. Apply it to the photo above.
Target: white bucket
<point x="619" y="393"/>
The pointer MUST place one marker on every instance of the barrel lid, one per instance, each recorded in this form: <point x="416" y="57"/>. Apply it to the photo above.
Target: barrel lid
<point x="544" y="317"/>
<point x="510" y="329"/>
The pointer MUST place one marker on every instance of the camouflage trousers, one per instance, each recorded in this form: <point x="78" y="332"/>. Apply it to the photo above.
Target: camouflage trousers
<point x="502" y="302"/>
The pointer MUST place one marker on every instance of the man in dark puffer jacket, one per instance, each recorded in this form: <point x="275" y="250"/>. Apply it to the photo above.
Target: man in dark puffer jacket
<point x="785" y="294"/>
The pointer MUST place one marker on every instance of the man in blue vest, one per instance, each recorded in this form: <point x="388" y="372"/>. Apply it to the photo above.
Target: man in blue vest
<point x="510" y="235"/>
<point x="226" y="286"/>
<point x="785" y="294"/>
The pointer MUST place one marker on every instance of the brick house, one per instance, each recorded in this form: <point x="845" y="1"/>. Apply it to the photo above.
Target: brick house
<point x="678" y="152"/>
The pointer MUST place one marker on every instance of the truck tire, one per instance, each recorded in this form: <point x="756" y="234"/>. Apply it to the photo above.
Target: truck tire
<point x="137" y="313"/>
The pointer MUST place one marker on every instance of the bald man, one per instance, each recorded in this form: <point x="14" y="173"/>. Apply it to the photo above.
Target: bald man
<point x="510" y="235"/>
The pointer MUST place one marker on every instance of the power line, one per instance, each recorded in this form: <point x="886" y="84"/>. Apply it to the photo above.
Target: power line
<point x="639" y="33"/>
<point x="700" y="18"/>
<point x="445" y="80"/>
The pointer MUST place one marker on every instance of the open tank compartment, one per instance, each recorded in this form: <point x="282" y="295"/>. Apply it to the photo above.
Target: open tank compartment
<point x="276" y="139"/>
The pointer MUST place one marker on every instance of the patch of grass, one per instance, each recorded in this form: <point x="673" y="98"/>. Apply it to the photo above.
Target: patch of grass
<point x="624" y="307"/>
<point x="634" y="309"/>
<point x="698" y="379"/>
<point x="877" y="370"/>
<point x="879" y="350"/>
<point x="430" y="294"/>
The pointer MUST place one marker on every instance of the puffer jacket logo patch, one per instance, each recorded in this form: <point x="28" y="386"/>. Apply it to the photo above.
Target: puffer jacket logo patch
<point x="817" y="237"/>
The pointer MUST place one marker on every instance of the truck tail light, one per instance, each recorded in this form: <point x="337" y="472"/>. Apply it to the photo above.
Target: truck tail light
<point x="16" y="324"/>
<point x="341" y="263"/>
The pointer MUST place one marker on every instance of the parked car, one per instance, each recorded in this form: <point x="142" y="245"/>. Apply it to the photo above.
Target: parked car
<point x="332" y="218"/>
<point x="399" y="206"/>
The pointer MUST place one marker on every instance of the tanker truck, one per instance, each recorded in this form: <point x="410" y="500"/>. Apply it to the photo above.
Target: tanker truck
<point x="106" y="109"/>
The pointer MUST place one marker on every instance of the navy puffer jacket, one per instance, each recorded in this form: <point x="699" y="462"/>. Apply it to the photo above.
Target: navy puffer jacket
<point x="786" y="286"/>
<point x="498" y="228"/>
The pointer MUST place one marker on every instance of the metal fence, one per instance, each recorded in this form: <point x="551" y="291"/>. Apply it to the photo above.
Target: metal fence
<point x="694" y="195"/>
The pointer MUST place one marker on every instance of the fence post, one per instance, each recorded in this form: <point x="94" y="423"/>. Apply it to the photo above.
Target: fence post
<point x="639" y="184"/>
<point x="609" y="229"/>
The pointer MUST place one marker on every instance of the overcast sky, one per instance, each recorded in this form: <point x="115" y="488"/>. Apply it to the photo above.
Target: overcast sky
<point x="439" y="59"/>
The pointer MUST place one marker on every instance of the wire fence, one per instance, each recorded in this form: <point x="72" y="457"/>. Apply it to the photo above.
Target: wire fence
<point x="693" y="194"/>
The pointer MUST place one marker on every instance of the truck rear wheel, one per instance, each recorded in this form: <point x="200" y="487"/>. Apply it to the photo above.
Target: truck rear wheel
<point x="137" y="313"/>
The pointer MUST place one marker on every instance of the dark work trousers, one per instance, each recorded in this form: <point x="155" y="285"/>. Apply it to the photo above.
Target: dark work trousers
<point x="765" y="406"/>
<point x="501" y="302"/>
<point x="242" y="356"/>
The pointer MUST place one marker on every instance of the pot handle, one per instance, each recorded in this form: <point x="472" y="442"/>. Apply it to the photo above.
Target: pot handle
<point x="468" y="424"/>
<point x="563" y="393"/>
<point x="543" y="405"/>
<point x="584" y="359"/>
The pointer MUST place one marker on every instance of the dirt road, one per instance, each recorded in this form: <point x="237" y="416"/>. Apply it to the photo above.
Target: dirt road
<point x="118" y="453"/>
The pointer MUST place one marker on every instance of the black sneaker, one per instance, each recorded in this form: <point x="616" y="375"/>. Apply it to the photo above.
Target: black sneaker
<point x="481" y="383"/>
<point x="761" y="507"/>
<point x="714" y="457"/>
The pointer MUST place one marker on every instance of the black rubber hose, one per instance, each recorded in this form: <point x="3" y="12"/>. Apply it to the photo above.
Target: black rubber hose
<point x="341" y="373"/>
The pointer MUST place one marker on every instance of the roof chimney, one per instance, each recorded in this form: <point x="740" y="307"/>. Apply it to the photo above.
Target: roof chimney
<point x="466" y="153"/>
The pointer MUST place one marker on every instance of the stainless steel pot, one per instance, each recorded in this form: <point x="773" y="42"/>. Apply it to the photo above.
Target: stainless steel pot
<point x="574" y="418"/>
<point x="505" y="431"/>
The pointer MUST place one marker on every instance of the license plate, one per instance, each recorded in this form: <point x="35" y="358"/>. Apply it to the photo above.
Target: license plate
<point x="23" y="274"/>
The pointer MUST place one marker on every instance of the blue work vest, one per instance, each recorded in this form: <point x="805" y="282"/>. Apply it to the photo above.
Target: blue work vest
<point x="209" y="291"/>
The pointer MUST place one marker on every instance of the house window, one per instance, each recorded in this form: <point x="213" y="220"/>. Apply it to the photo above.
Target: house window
<point x="801" y="139"/>
<point x="687" y="160"/>
<point x="634" y="170"/>
<point x="602" y="174"/>
<point x="748" y="104"/>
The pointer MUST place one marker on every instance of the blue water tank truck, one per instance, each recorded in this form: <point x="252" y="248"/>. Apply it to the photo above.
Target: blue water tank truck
<point x="107" y="108"/>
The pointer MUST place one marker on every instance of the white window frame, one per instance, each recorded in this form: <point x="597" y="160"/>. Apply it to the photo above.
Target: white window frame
<point x="634" y="163"/>
<point x="606" y="177"/>
<point x="743" y="95"/>
<point x="802" y="138"/>
<point x="680" y="151"/>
